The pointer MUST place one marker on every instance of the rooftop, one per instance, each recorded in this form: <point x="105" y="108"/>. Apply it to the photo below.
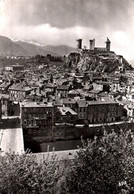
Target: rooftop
<point x="35" y="104"/>
<point x="20" y="86"/>
<point x="65" y="110"/>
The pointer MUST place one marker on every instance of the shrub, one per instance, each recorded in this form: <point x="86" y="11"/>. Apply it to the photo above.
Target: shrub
<point x="104" y="165"/>
<point x="23" y="174"/>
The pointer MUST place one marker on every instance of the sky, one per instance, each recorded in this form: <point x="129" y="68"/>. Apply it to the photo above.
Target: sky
<point x="61" y="22"/>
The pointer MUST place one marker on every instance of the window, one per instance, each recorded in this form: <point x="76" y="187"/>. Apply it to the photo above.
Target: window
<point x="30" y="122"/>
<point x="34" y="122"/>
<point x="25" y="122"/>
<point x="29" y="131"/>
<point x="57" y="118"/>
<point x="72" y="118"/>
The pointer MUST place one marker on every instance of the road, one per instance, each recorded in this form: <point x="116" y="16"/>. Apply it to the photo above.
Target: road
<point x="12" y="140"/>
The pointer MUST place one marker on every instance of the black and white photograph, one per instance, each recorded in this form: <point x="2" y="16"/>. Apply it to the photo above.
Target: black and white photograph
<point x="66" y="96"/>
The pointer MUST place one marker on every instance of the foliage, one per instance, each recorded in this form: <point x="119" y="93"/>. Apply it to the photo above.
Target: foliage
<point x="24" y="174"/>
<point x="104" y="165"/>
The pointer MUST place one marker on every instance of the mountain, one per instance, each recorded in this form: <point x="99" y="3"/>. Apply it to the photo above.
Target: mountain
<point x="60" y="50"/>
<point x="34" y="49"/>
<point x="9" y="47"/>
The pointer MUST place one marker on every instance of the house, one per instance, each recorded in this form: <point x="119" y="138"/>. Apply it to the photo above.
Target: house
<point x="104" y="111"/>
<point x="14" y="68"/>
<point x="37" y="118"/>
<point x="4" y="104"/>
<point x="4" y="87"/>
<point x="73" y="93"/>
<point x="81" y="109"/>
<point x="62" y="91"/>
<point x="65" y="115"/>
<point x="19" y="91"/>
<point x="68" y="102"/>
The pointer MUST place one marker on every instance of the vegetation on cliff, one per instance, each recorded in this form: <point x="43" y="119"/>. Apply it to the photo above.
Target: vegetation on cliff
<point x="107" y="62"/>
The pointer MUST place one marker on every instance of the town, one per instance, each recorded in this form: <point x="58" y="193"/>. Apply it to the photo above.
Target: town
<point x="65" y="97"/>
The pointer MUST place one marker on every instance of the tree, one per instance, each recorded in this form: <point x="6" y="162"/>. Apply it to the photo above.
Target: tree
<point x="104" y="165"/>
<point x="24" y="174"/>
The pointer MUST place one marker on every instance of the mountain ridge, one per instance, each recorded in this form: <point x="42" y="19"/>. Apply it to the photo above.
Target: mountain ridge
<point x="9" y="47"/>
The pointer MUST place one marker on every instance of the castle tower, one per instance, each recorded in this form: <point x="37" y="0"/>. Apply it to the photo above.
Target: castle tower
<point x="79" y="44"/>
<point x="108" y="42"/>
<point x="92" y="44"/>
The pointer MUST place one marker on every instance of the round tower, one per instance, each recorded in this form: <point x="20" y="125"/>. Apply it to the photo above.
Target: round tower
<point x="108" y="42"/>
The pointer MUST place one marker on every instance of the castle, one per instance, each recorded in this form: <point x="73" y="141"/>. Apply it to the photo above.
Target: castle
<point x="92" y="45"/>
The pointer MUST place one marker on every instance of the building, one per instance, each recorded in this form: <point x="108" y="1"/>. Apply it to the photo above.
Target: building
<point x="81" y="109"/>
<point x="65" y="115"/>
<point x="104" y="112"/>
<point x="19" y="91"/>
<point x="62" y="91"/>
<point x="37" y="119"/>
<point x="14" y="68"/>
<point x="4" y="87"/>
<point x="4" y="104"/>
<point x="92" y="45"/>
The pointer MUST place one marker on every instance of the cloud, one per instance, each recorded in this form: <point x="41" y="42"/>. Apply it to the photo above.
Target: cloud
<point x="62" y="22"/>
<point x="62" y="14"/>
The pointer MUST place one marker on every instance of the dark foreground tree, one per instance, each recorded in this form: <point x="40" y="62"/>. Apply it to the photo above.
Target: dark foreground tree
<point x="104" y="165"/>
<point x="24" y="174"/>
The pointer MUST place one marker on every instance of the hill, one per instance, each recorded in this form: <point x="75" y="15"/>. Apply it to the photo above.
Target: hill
<point x="60" y="50"/>
<point x="97" y="61"/>
<point x="9" y="47"/>
<point x="34" y="49"/>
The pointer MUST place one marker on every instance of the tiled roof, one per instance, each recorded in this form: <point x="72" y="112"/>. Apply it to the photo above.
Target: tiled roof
<point x="82" y="103"/>
<point x="68" y="101"/>
<point x="63" y="87"/>
<point x="34" y="104"/>
<point x="108" y="99"/>
<point x="73" y="92"/>
<point x="95" y="91"/>
<point x="100" y="102"/>
<point x="20" y="87"/>
<point x="6" y="96"/>
<point x="49" y="85"/>
<point x="4" y="84"/>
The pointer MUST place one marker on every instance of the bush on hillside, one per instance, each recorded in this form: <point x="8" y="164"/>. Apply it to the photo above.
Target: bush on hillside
<point x="23" y="174"/>
<point x="104" y="165"/>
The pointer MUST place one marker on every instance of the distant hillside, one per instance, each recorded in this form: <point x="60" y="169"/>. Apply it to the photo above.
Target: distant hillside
<point x="60" y="50"/>
<point x="34" y="49"/>
<point x="9" y="47"/>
